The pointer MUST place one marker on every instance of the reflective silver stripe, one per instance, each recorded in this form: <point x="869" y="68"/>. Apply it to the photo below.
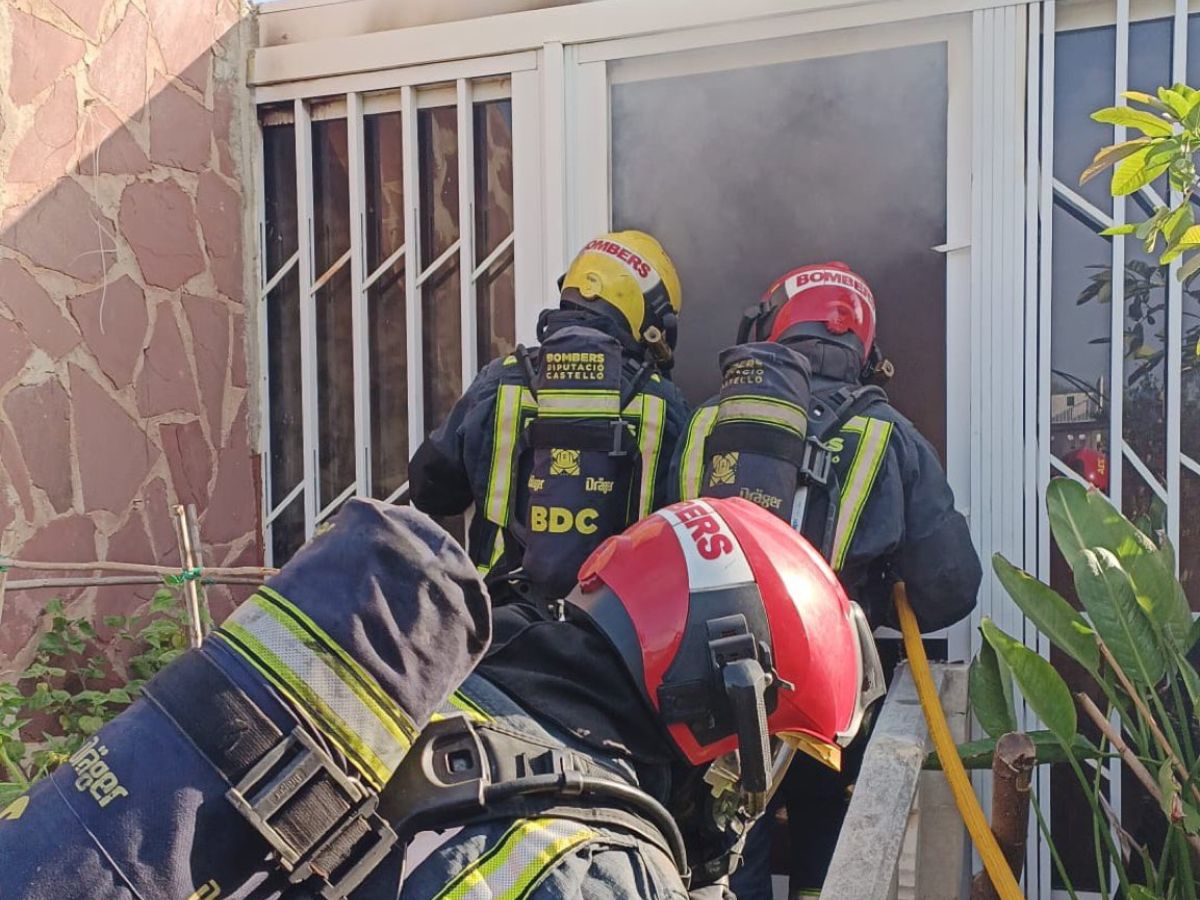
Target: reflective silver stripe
<point x="650" y="436"/>
<point x="691" y="464"/>
<point x="763" y="409"/>
<point x="859" y="481"/>
<point x="552" y="402"/>
<point x="514" y="866"/>
<point x="314" y="682"/>
<point x="510" y="400"/>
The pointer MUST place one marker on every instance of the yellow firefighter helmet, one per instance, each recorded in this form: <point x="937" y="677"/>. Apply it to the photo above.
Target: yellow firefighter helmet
<point x="631" y="272"/>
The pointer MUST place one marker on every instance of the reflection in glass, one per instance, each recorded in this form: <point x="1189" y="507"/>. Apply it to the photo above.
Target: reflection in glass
<point x="441" y="342"/>
<point x="495" y="291"/>
<point x="441" y="308"/>
<point x="388" y="336"/>
<point x="279" y="192"/>
<point x="334" y="338"/>
<point x="495" y="309"/>
<point x="437" y="141"/>
<point x="384" y="165"/>
<point x="335" y="387"/>
<point x="1085" y="67"/>
<point x="387" y="310"/>
<point x="287" y="532"/>
<point x="740" y="192"/>
<point x="493" y="175"/>
<point x="283" y="374"/>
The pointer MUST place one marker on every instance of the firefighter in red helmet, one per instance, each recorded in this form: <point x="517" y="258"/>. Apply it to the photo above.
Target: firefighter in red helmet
<point x="801" y="427"/>
<point x="693" y="639"/>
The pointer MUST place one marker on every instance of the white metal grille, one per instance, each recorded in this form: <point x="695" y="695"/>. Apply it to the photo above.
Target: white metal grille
<point x="345" y="299"/>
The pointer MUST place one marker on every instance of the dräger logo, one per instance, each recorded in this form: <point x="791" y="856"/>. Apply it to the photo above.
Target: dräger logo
<point x="706" y="530"/>
<point x="612" y="248"/>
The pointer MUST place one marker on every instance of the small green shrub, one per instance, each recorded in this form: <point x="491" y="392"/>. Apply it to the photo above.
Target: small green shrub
<point x="71" y="687"/>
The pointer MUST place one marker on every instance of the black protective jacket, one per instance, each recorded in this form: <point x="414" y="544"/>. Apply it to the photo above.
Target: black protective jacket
<point x="897" y="517"/>
<point x="908" y="527"/>
<point x="452" y="468"/>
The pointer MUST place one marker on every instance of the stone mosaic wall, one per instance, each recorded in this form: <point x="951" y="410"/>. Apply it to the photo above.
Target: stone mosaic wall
<point x="123" y="298"/>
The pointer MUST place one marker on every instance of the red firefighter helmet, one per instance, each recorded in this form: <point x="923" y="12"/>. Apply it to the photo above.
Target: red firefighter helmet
<point x="1091" y="465"/>
<point x="735" y="629"/>
<point x="830" y="294"/>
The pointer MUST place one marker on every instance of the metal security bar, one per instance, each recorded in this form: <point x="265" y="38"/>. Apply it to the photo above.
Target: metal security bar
<point x="1119" y="19"/>
<point x="363" y="275"/>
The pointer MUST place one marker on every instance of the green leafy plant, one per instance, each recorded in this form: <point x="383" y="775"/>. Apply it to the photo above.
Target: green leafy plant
<point x="72" y="687"/>
<point x="1132" y="637"/>
<point x="1169" y="127"/>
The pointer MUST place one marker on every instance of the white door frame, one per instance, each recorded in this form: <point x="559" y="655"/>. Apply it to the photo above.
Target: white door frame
<point x="591" y="70"/>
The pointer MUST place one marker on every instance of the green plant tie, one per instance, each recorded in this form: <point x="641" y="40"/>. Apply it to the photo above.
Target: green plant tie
<point x="184" y="576"/>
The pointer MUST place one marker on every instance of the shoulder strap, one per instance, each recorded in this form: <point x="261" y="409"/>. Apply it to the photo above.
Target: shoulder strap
<point x="844" y="404"/>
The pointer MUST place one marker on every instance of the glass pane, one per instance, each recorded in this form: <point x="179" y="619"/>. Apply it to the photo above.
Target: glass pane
<point x="437" y="140"/>
<point x="279" y="191"/>
<point x="495" y="310"/>
<point x="389" y="383"/>
<point x="441" y="343"/>
<point x="1079" y="380"/>
<point x="283" y="374"/>
<point x="739" y="192"/>
<point x="334" y="338"/>
<point x="384" y="162"/>
<point x="1085" y="67"/>
<point x="493" y="175"/>
<point x="1189" y="528"/>
<point x="287" y="532"/>
<point x="495" y="291"/>
<point x="335" y="387"/>
<point x="1144" y="416"/>
<point x="331" y="194"/>
<point x="387" y="308"/>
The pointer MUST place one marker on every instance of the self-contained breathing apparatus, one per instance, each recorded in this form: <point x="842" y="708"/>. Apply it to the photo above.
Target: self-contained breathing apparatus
<point x="583" y="460"/>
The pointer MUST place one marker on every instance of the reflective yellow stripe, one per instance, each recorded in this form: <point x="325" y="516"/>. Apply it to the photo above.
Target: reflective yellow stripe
<point x="650" y="435"/>
<point x="764" y="409"/>
<point x="319" y="687"/>
<point x="511" y="399"/>
<point x="497" y="552"/>
<point x="359" y="679"/>
<point x="459" y="702"/>
<point x="691" y="465"/>
<point x="860" y="479"/>
<point x="516" y="864"/>
<point x="554" y="402"/>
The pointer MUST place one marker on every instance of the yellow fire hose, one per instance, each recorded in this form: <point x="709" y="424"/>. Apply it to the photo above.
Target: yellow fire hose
<point x="960" y="785"/>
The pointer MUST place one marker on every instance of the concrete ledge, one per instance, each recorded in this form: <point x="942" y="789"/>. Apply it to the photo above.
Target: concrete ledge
<point x="867" y="860"/>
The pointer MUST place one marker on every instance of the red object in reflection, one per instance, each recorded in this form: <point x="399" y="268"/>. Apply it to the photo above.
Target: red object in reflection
<point x="1092" y="466"/>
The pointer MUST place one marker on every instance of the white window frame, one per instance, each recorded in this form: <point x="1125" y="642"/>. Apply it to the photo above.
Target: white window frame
<point x="407" y="90"/>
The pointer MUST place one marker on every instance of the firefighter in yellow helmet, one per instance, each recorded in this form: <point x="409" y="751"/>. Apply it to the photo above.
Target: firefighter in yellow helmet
<point x="564" y="444"/>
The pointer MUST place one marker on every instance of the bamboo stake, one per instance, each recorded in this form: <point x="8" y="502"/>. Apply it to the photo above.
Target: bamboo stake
<point x="109" y="566"/>
<point x="191" y="565"/>
<point x="1148" y="717"/>
<point x="1128" y="756"/>
<point x="1012" y="770"/>
<point x="3" y="579"/>
<point x="197" y="552"/>
<point x="33" y="584"/>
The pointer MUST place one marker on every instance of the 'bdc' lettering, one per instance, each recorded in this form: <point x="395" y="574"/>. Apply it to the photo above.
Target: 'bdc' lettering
<point x="558" y="520"/>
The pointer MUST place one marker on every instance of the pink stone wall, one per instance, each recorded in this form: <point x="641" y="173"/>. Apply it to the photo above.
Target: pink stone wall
<point x="123" y="301"/>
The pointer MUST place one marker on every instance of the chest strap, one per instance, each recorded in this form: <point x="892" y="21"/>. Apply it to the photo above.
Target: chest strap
<point x="320" y="824"/>
<point x="462" y="772"/>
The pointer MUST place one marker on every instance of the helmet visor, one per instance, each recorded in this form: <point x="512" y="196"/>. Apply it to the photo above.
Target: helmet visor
<point x="825" y="753"/>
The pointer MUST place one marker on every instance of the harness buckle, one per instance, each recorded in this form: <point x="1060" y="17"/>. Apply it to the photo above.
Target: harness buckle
<point x="619" y="445"/>
<point x="272" y="789"/>
<point x="816" y="463"/>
